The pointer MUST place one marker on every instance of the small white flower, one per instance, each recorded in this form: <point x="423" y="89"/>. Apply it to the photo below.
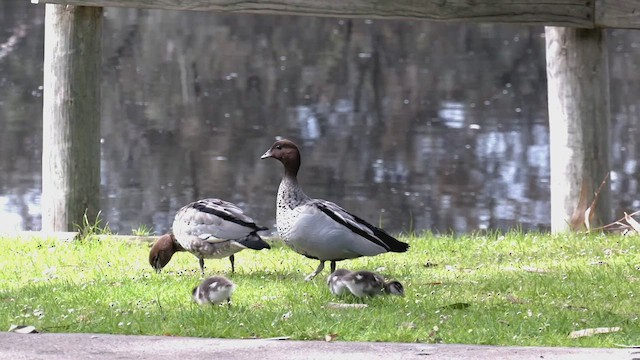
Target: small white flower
<point x="39" y="313"/>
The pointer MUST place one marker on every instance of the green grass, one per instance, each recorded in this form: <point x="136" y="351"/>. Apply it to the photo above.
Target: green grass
<point x="521" y="289"/>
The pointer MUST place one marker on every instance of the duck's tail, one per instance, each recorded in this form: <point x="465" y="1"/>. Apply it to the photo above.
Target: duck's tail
<point x="254" y="241"/>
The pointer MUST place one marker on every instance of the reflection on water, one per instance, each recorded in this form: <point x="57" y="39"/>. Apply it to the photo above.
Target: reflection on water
<point x="411" y="125"/>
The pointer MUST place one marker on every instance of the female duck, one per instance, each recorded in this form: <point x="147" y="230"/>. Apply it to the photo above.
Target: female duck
<point x="320" y="229"/>
<point x="208" y="228"/>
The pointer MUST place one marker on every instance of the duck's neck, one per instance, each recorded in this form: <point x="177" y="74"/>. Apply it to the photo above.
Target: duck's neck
<point x="290" y="193"/>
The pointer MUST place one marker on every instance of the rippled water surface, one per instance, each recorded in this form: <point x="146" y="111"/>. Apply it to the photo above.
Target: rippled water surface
<point x="411" y="125"/>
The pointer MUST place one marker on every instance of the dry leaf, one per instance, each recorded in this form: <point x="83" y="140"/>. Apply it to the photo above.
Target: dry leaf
<point x="634" y="224"/>
<point x="583" y="214"/>
<point x="346" y="306"/>
<point x="279" y="338"/>
<point x="534" y="269"/>
<point x="23" y="329"/>
<point x="408" y="325"/>
<point x="587" y="215"/>
<point x="578" y="217"/>
<point x="620" y="226"/>
<point x="525" y="268"/>
<point x="593" y="331"/>
<point x="330" y="337"/>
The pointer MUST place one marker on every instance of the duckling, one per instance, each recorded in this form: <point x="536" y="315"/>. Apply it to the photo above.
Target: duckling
<point x="213" y="290"/>
<point x="364" y="283"/>
<point x="367" y="283"/>
<point x="336" y="282"/>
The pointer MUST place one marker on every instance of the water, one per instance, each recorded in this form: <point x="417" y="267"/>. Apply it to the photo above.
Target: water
<point x="411" y="125"/>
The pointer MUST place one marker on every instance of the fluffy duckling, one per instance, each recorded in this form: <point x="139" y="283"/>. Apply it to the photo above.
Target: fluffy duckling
<point x="364" y="283"/>
<point x="336" y="282"/>
<point x="320" y="229"/>
<point x="367" y="283"/>
<point x="208" y="229"/>
<point x="213" y="290"/>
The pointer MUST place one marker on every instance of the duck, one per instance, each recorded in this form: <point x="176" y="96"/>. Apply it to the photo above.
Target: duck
<point x="320" y="229"/>
<point x="208" y="228"/>
<point x="335" y="281"/>
<point x="213" y="290"/>
<point x="364" y="283"/>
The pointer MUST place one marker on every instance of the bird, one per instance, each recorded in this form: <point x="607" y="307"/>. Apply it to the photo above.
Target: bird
<point x="335" y="281"/>
<point x="320" y="229"/>
<point x="363" y="283"/>
<point x="208" y="228"/>
<point x="213" y="290"/>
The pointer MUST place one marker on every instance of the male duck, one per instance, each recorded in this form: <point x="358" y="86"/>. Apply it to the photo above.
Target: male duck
<point x="213" y="290"/>
<point x="320" y="229"/>
<point x="208" y="228"/>
<point x="363" y="283"/>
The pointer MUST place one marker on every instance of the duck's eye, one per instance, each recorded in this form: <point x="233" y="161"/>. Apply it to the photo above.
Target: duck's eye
<point x="279" y="147"/>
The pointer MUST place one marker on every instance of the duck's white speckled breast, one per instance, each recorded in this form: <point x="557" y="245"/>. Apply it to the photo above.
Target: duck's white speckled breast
<point x="288" y="207"/>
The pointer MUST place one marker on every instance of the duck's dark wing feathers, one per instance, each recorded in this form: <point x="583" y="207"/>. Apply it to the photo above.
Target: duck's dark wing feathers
<point x="360" y="226"/>
<point x="227" y="211"/>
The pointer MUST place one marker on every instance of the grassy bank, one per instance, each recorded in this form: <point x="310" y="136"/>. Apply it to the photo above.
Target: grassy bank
<point x="514" y="289"/>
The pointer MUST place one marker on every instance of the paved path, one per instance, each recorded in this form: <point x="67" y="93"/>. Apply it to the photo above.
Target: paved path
<point x="101" y="346"/>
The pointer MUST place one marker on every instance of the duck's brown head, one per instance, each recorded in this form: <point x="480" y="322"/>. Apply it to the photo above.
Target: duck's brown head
<point x="287" y="152"/>
<point x="162" y="251"/>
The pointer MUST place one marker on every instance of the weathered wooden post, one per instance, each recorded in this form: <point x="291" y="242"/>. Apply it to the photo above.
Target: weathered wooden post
<point x="578" y="91"/>
<point x="71" y="116"/>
